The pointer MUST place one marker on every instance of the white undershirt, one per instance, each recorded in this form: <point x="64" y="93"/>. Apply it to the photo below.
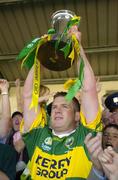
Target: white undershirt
<point x="62" y="135"/>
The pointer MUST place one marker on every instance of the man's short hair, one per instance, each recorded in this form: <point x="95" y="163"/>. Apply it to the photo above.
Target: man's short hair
<point x="63" y="94"/>
<point x="110" y="125"/>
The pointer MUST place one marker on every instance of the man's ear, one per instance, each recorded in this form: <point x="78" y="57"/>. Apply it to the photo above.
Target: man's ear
<point x="77" y="116"/>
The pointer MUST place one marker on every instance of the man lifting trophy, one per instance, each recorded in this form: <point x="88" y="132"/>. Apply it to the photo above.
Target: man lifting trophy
<point x="56" y="145"/>
<point x="56" y="50"/>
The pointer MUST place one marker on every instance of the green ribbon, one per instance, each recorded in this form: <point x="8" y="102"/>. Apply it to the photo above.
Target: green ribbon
<point x="70" y="23"/>
<point x="28" y="52"/>
<point x="28" y="63"/>
<point x="28" y="48"/>
<point x="78" y="84"/>
<point x="51" y="31"/>
<point x="61" y="37"/>
<point x="73" y="22"/>
<point x="66" y="48"/>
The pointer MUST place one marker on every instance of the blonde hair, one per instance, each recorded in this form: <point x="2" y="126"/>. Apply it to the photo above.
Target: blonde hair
<point x="44" y="90"/>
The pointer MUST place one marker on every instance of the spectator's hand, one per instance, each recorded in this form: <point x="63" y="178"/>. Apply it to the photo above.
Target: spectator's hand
<point x="109" y="161"/>
<point x="94" y="147"/>
<point x="18" y="142"/>
<point x="46" y="97"/>
<point x="4" y="85"/>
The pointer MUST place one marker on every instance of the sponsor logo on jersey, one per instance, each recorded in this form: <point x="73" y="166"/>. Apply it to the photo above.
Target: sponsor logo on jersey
<point x="48" y="141"/>
<point x="46" y="145"/>
<point x="69" y="142"/>
<point x="51" y="166"/>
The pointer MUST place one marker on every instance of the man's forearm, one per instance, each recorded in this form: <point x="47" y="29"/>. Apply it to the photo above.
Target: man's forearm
<point x="29" y="115"/>
<point x="28" y="86"/>
<point x="89" y="78"/>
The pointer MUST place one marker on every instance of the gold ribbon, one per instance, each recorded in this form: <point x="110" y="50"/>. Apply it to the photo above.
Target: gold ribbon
<point x="36" y="81"/>
<point x="69" y="83"/>
<point x="75" y="47"/>
<point x="36" y="84"/>
<point x="76" y="44"/>
<point x="76" y="18"/>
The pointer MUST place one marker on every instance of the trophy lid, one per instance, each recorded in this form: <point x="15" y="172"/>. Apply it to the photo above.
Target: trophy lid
<point x="60" y="18"/>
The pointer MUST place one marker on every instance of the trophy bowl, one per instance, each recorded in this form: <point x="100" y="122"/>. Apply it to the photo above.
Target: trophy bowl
<point x="53" y="59"/>
<point x="50" y="57"/>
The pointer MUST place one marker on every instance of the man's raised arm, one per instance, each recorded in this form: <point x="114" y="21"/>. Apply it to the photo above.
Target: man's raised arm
<point x="29" y="114"/>
<point x="89" y="96"/>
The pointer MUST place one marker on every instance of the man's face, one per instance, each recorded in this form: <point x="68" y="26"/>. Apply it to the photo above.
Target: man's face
<point x="16" y="122"/>
<point x="62" y="115"/>
<point x="110" y="118"/>
<point x="110" y="138"/>
<point x="114" y="117"/>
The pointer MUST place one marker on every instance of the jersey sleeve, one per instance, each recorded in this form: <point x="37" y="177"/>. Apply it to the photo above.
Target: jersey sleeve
<point x="96" y="124"/>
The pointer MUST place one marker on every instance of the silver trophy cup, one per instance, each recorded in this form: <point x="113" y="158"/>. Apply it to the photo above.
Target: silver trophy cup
<point x="50" y="57"/>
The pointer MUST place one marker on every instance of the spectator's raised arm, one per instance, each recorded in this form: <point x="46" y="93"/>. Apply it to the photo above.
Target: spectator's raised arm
<point x="19" y="97"/>
<point x="6" y="110"/>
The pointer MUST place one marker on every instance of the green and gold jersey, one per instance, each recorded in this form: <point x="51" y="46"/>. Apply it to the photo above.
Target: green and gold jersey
<point x="56" y="158"/>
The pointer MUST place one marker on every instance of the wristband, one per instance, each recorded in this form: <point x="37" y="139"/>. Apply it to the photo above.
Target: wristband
<point x="4" y="93"/>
